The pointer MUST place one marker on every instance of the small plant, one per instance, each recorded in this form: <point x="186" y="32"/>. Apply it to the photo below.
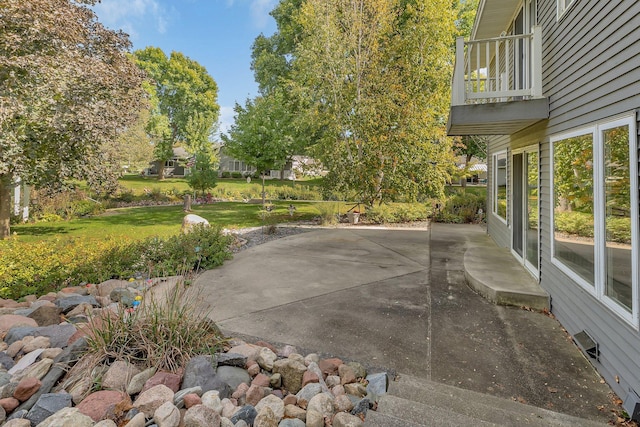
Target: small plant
<point x="164" y="332"/>
<point x="460" y="208"/>
<point x="328" y="212"/>
<point x="225" y="174"/>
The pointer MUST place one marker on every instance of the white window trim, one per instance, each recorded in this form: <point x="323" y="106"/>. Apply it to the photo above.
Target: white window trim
<point x="598" y="290"/>
<point x="494" y="186"/>
<point x="562" y="8"/>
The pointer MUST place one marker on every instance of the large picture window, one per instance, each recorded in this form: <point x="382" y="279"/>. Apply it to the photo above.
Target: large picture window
<point x="595" y="212"/>
<point x="500" y="185"/>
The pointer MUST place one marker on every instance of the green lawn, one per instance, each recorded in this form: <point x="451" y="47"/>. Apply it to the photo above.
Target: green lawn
<point x="137" y="184"/>
<point x="141" y="222"/>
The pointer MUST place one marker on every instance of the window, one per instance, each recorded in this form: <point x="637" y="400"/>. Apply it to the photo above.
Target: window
<point x="595" y="212"/>
<point x="563" y="5"/>
<point x="500" y="185"/>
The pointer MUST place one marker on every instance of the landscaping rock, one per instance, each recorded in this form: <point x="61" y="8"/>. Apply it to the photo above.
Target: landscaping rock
<point x="254" y="394"/>
<point x="200" y="372"/>
<point x="231" y="359"/>
<point x="6" y="361"/>
<point x="347" y="376"/>
<point x="266" y="418"/>
<point x="247" y="414"/>
<point x="18" y="422"/>
<point x="106" y="423"/>
<point x="26" y="388"/>
<point x="138" y="420"/>
<point x="38" y="370"/>
<point x="291" y="422"/>
<point x="211" y="399"/>
<point x="26" y="361"/>
<point x="292" y="373"/>
<point x="178" y="398"/>
<point x="361" y="407"/>
<point x="98" y="404"/>
<point x="201" y="416"/>
<point x="358" y="369"/>
<point x="307" y="393"/>
<point x="9" y="404"/>
<point x="378" y="384"/>
<point x="67" y="417"/>
<point x="249" y="351"/>
<point x="314" y="419"/>
<point x="167" y="415"/>
<point x="152" y="399"/>
<point x="234" y="376"/>
<point x="137" y="382"/>
<point x="46" y="315"/>
<point x="329" y="366"/>
<point x="191" y="399"/>
<point x="343" y="419"/>
<point x="47" y="405"/>
<point x="322" y="403"/>
<point x="274" y="403"/>
<point x="9" y="321"/>
<point x="262" y="380"/>
<point x="169" y="379"/>
<point x="266" y="357"/>
<point x="69" y="303"/>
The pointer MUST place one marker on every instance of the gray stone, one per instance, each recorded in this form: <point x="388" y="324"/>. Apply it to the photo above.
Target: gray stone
<point x="138" y="420"/>
<point x="37" y="370"/>
<point x="6" y="361"/>
<point x="137" y="382"/>
<point x="47" y="405"/>
<point x="361" y="407"/>
<point x="343" y="419"/>
<point x="69" y="303"/>
<point x="124" y="296"/>
<point x="378" y="384"/>
<point x="266" y="358"/>
<point x="7" y="390"/>
<point x="358" y="369"/>
<point x="291" y="422"/>
<point x="314" y="419"/>
<point x="247" y="414"/>
<point x="106" y="423"/>
<point x="292" y="372"/>
<point x="233" y="376"/>
<point x="17" y="414"/>
<point x="307" y="393"/>
<point x="231" y="359"/>
<point x="200" y="372"/>
<point x="67" y="417"/>
<point x="150" y="400"/>
<point x="19" y="332"/>
<point x="5" y="377"/>
<point x="37" y="343"/>
<point x="313" y="367"/>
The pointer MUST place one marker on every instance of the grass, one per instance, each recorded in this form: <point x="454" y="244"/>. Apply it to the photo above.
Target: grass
<point x="162" y="221"/>
<point x="137" y="184"/>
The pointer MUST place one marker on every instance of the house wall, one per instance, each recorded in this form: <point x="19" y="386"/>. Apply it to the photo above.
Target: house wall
<point x="590" y="74"/>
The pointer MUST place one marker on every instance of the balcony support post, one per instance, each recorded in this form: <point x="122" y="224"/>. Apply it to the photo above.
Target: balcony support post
<point x="536" y="62"/>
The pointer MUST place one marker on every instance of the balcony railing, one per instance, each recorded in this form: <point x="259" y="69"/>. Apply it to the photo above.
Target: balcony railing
<point x="500" y="69"/>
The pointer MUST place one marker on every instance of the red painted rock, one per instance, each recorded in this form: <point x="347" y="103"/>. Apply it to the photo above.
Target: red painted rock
<point x="166" y="378"/>
<point x="9" y="404"/>
<point x="98" y="404"/>
<point x="192" y="399"/>
<point x="26" y="388"/>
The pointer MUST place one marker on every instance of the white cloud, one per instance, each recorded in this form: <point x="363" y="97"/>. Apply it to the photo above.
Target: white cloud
<point x="129" y="14"/>
<point x="260" y="12"/>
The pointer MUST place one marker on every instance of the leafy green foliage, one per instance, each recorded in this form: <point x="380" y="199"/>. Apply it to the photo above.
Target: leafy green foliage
<point x="45" y="266"/>
<point x="398" y="213"/>
<point x="68" y="89"/>
<point x="460" y="207"/>
<point x="204" y="174"/>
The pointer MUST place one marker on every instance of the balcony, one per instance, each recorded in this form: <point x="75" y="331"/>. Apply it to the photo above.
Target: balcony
<point x="497" y="85"/>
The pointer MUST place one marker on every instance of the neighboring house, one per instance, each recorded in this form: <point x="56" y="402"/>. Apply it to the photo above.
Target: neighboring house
<point x="556" y="84"/>
<point x="175" y="166"/>
<point x="298" y="166"/>
<point x="477" y="170"/>
<point x="230" y="164"/>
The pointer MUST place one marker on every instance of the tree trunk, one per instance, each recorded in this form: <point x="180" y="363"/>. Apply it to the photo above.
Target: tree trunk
<point x="5" y="206"/>
<point x="263" y="193"/>
<point x="161" y="171"/>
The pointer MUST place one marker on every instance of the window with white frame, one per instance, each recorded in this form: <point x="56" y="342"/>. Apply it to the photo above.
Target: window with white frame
<point x="499" y="186"/>
<point x="563" y="5"/>
<point x="595" y="212"/>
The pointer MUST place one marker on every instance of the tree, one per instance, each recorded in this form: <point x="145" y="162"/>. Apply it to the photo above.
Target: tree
<point x="181" y="87"/>
<point x="67" y="89"/>
<point x="470" y="146"/>
<point x="260" y="135"/>
<point x="133" y="147"/>
<point x="204" y="173"/>
<point x="377" y="74"/>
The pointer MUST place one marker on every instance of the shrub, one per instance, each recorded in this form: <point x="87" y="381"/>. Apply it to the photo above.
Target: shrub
<point x="225" y="174"/>
<point x="398" y="212"/>
<point x="460" y="208"/>
<point x="42" y="267"/>
<point x="236" y="174"/>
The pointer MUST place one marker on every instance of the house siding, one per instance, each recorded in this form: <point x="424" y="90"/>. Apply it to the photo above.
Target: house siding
<point x="496" y="228"/>
<point x="590" y="74"/>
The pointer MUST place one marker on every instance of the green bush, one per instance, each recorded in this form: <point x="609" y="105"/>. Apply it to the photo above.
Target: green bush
<point x="236" y="174"/>
<point x="577" y="223"/>
<point x="225" y="174"/>
<point x="398" y="212"/>
<point x="42" y="267"/>
<point x="328" y="212"/>
<point x="460" y="208"/>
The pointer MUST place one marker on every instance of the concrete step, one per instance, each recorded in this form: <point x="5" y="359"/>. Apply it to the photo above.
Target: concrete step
<point x="422" y="402"/>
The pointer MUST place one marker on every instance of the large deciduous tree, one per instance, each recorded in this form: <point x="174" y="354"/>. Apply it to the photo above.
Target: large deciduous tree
<point x="67" y="87"/>
<point x="181" y="87"/>
<point x="377" y="75"/>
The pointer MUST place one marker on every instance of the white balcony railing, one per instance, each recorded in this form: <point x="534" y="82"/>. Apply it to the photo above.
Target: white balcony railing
<point x="498" y="70"/>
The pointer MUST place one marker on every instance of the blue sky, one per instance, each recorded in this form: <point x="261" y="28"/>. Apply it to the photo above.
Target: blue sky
<point x="218" y="34"/>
